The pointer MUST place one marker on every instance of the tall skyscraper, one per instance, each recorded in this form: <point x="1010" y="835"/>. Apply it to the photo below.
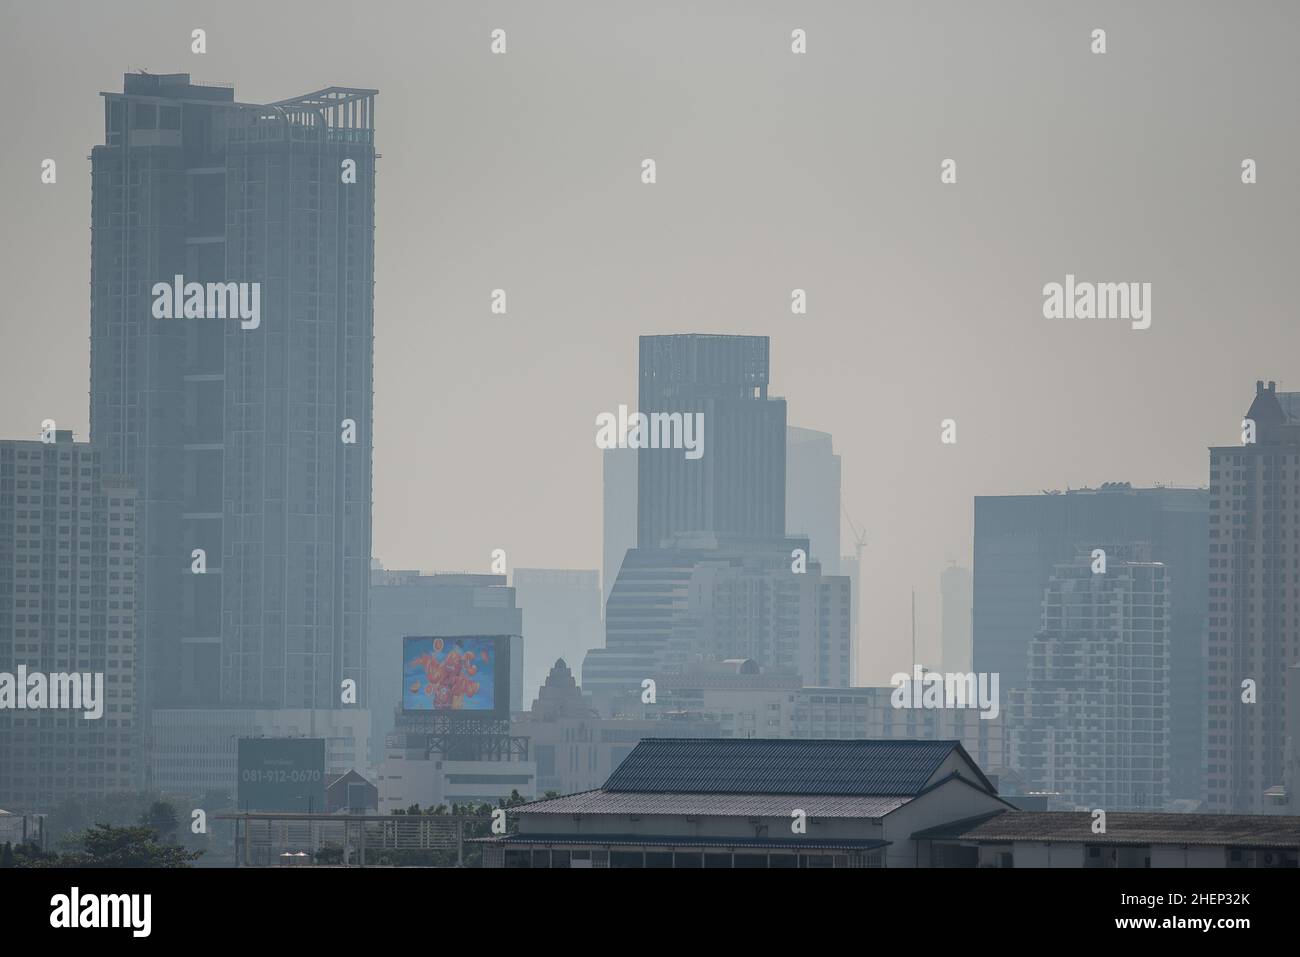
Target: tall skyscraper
<point x="1092" y="724"/>
<point x="954" y="633"/>
<point x="737" y="487"/>
<point x="1020" y="539"/>
<point x="1254" y="614"/>
<point x="67" y="607"/>
<point x="713" y="575"/>
<point x="812" y="493"/>
<point x="249" y="441"/>
<point x="619" y="516"/>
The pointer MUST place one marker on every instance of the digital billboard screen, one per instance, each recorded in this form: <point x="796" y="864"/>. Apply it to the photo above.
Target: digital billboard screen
<point x="458" y="674"/>
<point x="282" y="774"/>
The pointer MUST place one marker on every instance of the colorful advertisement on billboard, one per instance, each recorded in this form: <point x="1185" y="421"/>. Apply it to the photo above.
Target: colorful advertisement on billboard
<point x="458" y="674"/>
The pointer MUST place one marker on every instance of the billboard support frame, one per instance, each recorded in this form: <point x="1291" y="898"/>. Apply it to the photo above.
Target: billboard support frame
<point x="458" y="738"/>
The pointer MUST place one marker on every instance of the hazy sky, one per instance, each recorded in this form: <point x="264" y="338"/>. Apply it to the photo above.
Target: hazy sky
<point x="775" y="171"/>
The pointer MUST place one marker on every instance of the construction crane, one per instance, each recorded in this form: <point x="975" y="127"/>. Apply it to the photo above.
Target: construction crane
<point x="859" y="536"/>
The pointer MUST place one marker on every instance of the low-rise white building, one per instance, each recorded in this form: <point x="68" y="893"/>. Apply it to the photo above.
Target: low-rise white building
<point x="424" y="778"/>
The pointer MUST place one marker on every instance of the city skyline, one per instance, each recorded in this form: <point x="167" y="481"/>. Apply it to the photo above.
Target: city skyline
<point x="586" y="435"/>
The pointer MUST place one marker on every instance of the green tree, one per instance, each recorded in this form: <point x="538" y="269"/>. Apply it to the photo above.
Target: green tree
<point x="31" y="855"/>
<point x="106" y="845"/>
<point x="126" y="808"/>
<point x="161" y="816"/>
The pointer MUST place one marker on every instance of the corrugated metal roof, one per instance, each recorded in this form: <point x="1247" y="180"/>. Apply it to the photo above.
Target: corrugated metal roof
<point x="772" y="766"/>
<point x="637" y="841"/>
<point x="1137" y="827"/>
<point x="717" y="805"/>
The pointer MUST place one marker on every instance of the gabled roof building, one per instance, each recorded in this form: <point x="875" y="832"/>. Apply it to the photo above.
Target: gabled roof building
<point x="754" y="803"/>
<point x="728" y="802"/>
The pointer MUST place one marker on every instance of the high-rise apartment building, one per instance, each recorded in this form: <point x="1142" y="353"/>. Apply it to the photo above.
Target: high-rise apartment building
<point x="67" y="607"/>
<point x="830" y="662"/>
<point x="249" y="441"/>
<point x="1254" y="605"/>
<point x="1092" y="724"/>
<point x="737" y="487"/>
<point x="1019" y="541"/>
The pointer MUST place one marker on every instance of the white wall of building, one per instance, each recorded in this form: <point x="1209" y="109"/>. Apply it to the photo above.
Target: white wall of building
<point x="406" y="779"/>
<point x="953" y="801"/>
